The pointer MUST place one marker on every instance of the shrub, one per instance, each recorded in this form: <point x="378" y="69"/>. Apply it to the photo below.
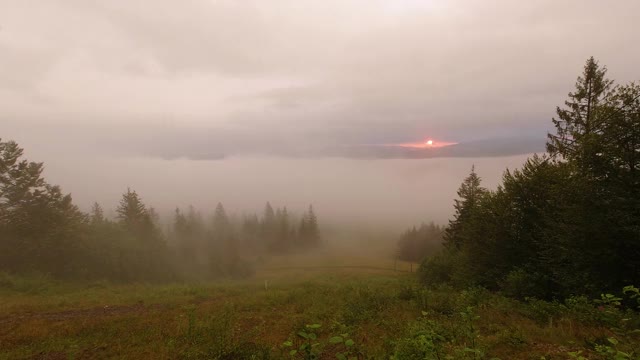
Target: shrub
<point x="437" y="269"/>
<point x="521" y="284"/>
<point x="543" y="312"/>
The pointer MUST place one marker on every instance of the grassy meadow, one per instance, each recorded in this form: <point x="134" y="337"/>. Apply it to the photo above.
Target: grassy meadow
<point x="326" y="307"/>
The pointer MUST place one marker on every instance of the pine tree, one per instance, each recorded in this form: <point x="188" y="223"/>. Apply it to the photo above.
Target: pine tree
<point x="580" y="124"/>
<point x="20" y="182"/>
<point x="97" y="214"/>
<point x="132" y="212"/>
<point x="145" y="256"/>
<point x="40" y="227"/>
<point x="269" y="214"/>
<point x="461" y="228"/>
<point x="221" y="224"/>
<point x="268" y="226"/>
<point x="309" y="233"/>
<point x="251" y="232"/>
<point x="153" y="216"/>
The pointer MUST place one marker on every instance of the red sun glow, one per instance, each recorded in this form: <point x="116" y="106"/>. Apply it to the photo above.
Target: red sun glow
<point x="427" y="144"/>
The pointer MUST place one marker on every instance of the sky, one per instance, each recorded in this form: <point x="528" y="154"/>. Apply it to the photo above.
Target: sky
<point x="120" y="93"/>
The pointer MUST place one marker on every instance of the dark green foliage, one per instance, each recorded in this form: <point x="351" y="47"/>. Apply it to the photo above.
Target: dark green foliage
<point x="147" y="243"/>
<point x="462" y="229"/>
<point x="438" y="269"/>
<point x="566" y="223"/>
<point x="582" y="122"/>
<point x="40" y="228"/>
<point x="426" y="340"/>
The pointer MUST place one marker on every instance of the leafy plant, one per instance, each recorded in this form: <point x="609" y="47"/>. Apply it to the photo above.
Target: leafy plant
<point x="633" y="293"/>
<point x="611" y="352"/>
<point x="470" y="334"/>
<point x="348" y="343"/>
<point x="309" y="347"/>
<point x="425" y="341"/>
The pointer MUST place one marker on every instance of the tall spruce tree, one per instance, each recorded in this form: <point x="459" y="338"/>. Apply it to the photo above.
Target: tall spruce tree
<point x="132" y="213"/>
<point x="97" y="214"/>
<point x="581" y="123"/>
<point x="461" y="228"/>
<point x="145" y="255"/>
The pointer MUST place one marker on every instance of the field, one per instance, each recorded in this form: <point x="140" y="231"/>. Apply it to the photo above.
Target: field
<point x="335" y="308"/>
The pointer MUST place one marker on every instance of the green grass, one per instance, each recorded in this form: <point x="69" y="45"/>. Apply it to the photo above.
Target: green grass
<point x="384" y="314"/>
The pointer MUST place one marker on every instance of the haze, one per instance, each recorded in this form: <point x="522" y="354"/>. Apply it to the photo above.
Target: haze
<point x="243" y="102"/>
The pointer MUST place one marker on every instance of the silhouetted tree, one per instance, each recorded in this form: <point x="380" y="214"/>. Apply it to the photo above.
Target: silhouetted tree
<point x="309" y="233"/>
<point x="40" y="227"/>
<point x="461" y="229"/>
<point x="97" y="214"/>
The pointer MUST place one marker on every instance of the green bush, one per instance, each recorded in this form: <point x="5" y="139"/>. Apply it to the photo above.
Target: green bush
<point x="436" y="270"/>
<point x="543" y="312"/>
<point x="472" y="296"/>
<point x="441" y="301"/>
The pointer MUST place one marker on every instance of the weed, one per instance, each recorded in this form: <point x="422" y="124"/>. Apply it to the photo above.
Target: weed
<point x="425" y="341"/>
<point x="365" y="304"/>
<point x="543" y="312"/>
<point x="469" y="334"/>
<point x="348" y="351"/>
<point x="308" y="348"/>
<point x="407" y="293"/>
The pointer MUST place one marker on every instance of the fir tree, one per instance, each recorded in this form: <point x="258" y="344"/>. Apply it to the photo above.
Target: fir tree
<point x="470" y="194"/>
<point x="97" y="214"/>
<point x="132" y="212"/>
<point x="580" y="124"/>
<point x="309" y="233"/>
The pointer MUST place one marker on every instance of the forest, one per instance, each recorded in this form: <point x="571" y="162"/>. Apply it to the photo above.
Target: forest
<point x="42" y="231"/>
<point x="566" y="223"/>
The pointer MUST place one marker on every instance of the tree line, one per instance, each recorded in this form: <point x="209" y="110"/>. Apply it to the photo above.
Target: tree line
<point x="42" y="230"/>
<point x="568" y="221"/>
<point x="417" y="243"/>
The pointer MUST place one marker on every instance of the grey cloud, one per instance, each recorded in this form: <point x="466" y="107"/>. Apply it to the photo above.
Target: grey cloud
<point x="302" y="77"/>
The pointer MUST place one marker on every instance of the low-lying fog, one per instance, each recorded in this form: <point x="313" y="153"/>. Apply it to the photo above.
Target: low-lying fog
<point x="393" y="193"/>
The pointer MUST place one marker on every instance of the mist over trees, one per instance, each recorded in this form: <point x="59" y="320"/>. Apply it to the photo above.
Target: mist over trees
<point x="416" y="244"/>
<point x="568" y="221"/>
<point x="42" y="231"/>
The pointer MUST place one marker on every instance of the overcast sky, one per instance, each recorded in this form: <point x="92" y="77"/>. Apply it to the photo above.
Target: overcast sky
<point x="214" y="79"/>
<point x="220" y="77"/>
